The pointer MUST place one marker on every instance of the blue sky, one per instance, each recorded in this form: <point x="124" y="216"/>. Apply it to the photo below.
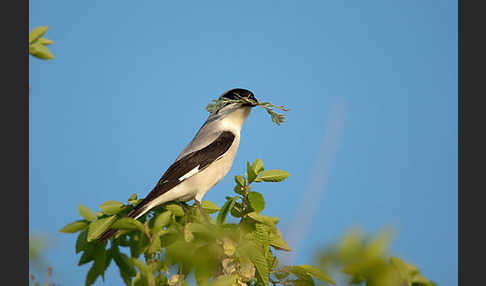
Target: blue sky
<point x="130" y="82"/>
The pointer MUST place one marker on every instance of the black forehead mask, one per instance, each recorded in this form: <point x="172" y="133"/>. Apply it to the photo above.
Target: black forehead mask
<point x="234" y="93"/>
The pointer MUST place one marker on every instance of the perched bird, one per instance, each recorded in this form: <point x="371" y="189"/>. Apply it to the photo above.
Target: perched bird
<point x="203" y="162"/>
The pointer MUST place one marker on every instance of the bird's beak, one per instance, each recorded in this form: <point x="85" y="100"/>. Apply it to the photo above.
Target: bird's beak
<point x="251" y="104"/>
<point x="254" y="101"/>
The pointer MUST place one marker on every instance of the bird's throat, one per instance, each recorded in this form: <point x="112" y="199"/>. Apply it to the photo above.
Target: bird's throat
<point x="237" y="118"/>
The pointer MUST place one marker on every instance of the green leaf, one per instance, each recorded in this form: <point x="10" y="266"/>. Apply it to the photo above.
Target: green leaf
<point x="91" y="276"/>
<point x="144" y="270"/>
<point x="111" y="207"/>
<point x="81" y="241"/>
<point x="202" y="274"/>
<point x="277" y="241"/>
<point x="45" y="42"/>
<point x="304" y="277"/>
<point x="175" y="209"/>
<point x="209" y="207"/>
<point x="140" y="280"/>
<point x="252" y="175"/>
<point x="272" y="261"/>
<point x="155" y="246"/>
<point x="86" y="213"/>
<point x="261" y="236"/>
<point x="317" y="273"/>
<point x="281" y="275"/>
<point x="256" y="201"/>
<point x="274" y="175"/>
<point x="400" y="265"/>
<point x="180" y="252"/>
<point x="304" y="280"/>
<point x="207" y="230"/>
<point x="97" y="227"/>
<point x="139" y="243"/>
<point x="162" y="220"/>
<point x="161" y="280"/>
<point x="129" y="224"/>
<point x="126" y="278"/>
<point x="255" y="254"/>
<point x="225" y="280"/>
<point x="257" y="166"/>
<point x="169" y="237"/>
<point x="124" y="264"/>
<point x="277" y="118"/>
<point x="74" y="226"/>
<point x="239" y="190"/>
<point x="123" y="242"/>
<point x="236" y="211"/>
<point x="223" y="213"/>
<point x="40" y="51"/>
<point x="36" y="33"/>
<point x="109" y="257"/>
<point x="378" y="245"/>
<point x="240" y="180"/>
<point x="88" y="253"/>
<point x="268" y="220"/>
<point x="409" y="273"/>
<point x="133" y="199"/>
<point x="100" y="259"/>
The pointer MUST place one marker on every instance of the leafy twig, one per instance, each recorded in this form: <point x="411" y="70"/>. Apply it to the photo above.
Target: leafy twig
<point x="38" y="45"/>
<point x="277" y="118"/>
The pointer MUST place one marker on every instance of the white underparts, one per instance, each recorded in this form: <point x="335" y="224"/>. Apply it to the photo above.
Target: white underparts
<point x="190" y="173"/>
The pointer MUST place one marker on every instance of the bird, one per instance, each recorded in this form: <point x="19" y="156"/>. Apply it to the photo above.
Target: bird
<point x="203" y="162"/>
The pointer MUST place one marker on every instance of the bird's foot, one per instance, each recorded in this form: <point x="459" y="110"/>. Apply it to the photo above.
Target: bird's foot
<point x="185" y="206"/>
<point x="201" y="210"/>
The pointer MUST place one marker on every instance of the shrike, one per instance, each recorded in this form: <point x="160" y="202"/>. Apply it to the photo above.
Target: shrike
<point x="203" y="162"/>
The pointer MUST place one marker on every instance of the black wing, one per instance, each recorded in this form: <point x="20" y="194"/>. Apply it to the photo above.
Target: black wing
<point x="172" y="177"/>
<point x="198" y="159"/>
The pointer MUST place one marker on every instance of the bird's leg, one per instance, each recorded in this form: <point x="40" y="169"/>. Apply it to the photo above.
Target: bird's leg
<point x="201" y="210"/>
<point x="185" y="206"/>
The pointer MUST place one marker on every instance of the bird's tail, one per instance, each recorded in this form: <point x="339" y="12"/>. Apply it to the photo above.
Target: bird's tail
<point x="138" y="211"/>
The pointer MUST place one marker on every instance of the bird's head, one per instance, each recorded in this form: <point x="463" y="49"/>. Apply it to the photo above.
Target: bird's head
<point x="237" y="93"/>
<point x="241" y="101"/>
<point x="234" y="113"/>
